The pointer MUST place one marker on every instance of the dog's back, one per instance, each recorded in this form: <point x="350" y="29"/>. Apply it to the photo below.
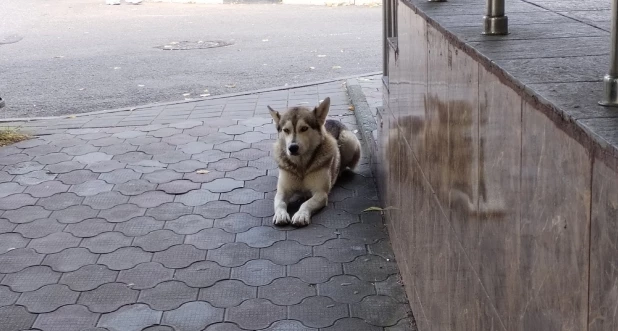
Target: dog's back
<point x="349" y="146"/>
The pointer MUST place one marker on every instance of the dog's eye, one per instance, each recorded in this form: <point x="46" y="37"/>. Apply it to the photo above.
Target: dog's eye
<point x="303" y="129"/>
<point x="286" y="131"/>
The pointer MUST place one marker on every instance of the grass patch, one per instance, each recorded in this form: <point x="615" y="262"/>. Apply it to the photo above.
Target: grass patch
<point x="10" y="136"/>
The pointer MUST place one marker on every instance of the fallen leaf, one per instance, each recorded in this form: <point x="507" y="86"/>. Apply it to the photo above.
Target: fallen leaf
<point x="351" y="108"/>
<point x="116" y="68"/>
<point x="186" y="94"/>
<point x="264" y="39"/>
<point x="321" y="55"/>
<point x="355" y="131"/>
<point x="72" y="116"/>
<point x="336" y="67"/>
<point x="58" y="57"/>
<point x="140" y="85"/>
<point x="202" y="171"/>
<point x="81" y="89"/>
<point x="311" y="68"/>
<point x="205" y="90"/>
<point x="205" y="95"/>
<point x="230" y="85"/>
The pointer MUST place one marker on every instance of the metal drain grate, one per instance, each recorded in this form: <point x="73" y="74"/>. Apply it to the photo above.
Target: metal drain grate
<point x="189" y="45"/>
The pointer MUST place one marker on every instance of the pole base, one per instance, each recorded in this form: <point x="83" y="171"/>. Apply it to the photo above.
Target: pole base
<point x="496" y="25"/>
<point x="610" y="93"/>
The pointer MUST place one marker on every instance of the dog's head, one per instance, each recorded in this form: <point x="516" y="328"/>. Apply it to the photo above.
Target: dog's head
<point x="301" y="129"/>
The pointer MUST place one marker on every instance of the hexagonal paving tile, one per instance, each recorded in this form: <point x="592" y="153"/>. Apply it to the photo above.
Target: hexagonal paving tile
<point x="139" y="226"/>
<point x="189" y="224"/>
<point x="108" y="297"/>
<point x="216" y="209"/>
<point x="179" y="256"/>
<point x="168" y="295"/>
<point x="258" y="272"/>
<point x="286" y="252"/>
<point x="228" y="164"/>
<point x="242" y="196"/>
<point x="202" y="274"/>
<point x="77" y="177"/>
<point x="31" y="278"/>
<point x="193" y="316"/>
<point x="91" y="187"/>
<point x="237" y="222"/>
<point x="26" y="214"/>
<point x="318" y="311"/>
<point x="315" y="270"/>
<point x="380" y="310"/>
<point x="39" y="228"/>
<point x="54" y="243"/>
<point x="16" y="201"/>
<point x="178" y="186"/>
<point x="261" y="236"/>
<point x="7" y="189"/>
<point x="70" y="259"/>
<point x="88" y="277"/>
<point x="89" y="228"/>
<point x="106" y="242"/>
<point x="125" y="258"/>
<point x="209" y="238"/>
<point x="162" y="176"/>
<point x="233" y="254"/>
<point x="151" y="199"/>
<point x="105" y="200"/>
<point x="352" y="324"/>
<point x="197" y="197"/>
<point x="130" y="318"/>
<point x="341" y="250"/>
<point x="120" y="176"/>
<point x="48" y="298"/>
<point x="16" y="318"/>
<point x="371" y="268"/>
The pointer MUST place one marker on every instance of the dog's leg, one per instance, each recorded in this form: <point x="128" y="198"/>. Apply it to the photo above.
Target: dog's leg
<point x="319" y="185"/>
<point x="281" y="208"/>
<point x="303" y="216"/>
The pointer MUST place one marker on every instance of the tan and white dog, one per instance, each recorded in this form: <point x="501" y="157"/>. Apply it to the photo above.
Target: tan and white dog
<point x="311" y="153"/>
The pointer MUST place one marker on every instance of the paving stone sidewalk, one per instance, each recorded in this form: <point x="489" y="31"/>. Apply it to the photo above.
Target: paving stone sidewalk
<point x="160" y="219"/>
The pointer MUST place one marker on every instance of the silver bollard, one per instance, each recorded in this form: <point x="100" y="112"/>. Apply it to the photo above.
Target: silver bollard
<point x="494" y="20"/>
<point x="610" y="96"/>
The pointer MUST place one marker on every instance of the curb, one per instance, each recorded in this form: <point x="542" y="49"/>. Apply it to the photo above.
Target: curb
<point x="366" y="122"/>
<point x="169" y="103"/>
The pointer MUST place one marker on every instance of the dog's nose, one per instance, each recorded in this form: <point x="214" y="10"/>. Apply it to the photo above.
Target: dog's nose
<point x="293" y="149"/>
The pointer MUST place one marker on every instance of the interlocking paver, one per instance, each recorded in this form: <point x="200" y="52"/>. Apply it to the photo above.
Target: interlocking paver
<point x="172" y="157"/>
<point x="202" y="274"/>
<point x="286" y="252"/>
<point x="217" y="209"/>
<point x="255" y="314"/>
<point x="392" y="287"/>
<point x="258" y="272"/>
<point x="229" y="164"/>
<point x="158" y="240"/>
<point x="193" y="316"/>
<point x="287" y="291"/>
<point x="9" y="241"/>
<point x="7" y="189"/>
<point x="162" y="176"/>
<point x="89" y="227"/>
<point x="145" y="275"/>
<point x="189" y="224"/>
<point x="120" y="176"/>
<point x="242" y="196"/>
<point x="16" y="201"/>
<point x="105" y="200"/>
<point x="169" y="211"/>
<point x="91" y="187"/>
<point x="121" y="213"/>
<point x="16" y="318"/>
<point x="113" y="212"/>
<point x="77" y="177"/>
<point x="315" y="270"/>
<point x="31" y="178"/>
<point x="88" y="277"/>
<point x="237" y="222"/>
<point x="260" y="236"/>
<point x="130" y="318"/>
<point x="168" y="295"/>
<point x="106" y="242"/>
<point x="318" y="311"/>
<point x="48" y="298"/>
<point x="352" y="324"/>
<point x="341" y="250"/>
<point x="39" y="228"/>
<point x="380" y="310"/>
<point x="125" y="258"/>
<point x="233" y="254"/>
<point x="108" y="297"/>
<point x="67" y="318"/>
<point x="209" y="238"/>
<point x="227" y="293"/>
<point x="26" y="214"/>
<point x="7" y="297"/>
<point x="31" y="278"/>
<point x="139" y="226"/>
<point x="54" y="243"/>
<point x="70" y="259"/>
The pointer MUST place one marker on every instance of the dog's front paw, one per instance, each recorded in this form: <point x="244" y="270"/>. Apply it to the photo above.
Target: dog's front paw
<point x="301" y="218"/>
<point x="281" y="217"/>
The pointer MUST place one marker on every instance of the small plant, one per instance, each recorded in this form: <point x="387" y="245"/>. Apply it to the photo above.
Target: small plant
<point x="11" y="135"/>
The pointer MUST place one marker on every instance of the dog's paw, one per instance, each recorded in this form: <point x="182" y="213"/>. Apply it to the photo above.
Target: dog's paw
<point x="301" y="218"/>
<point x="281" y="217"/>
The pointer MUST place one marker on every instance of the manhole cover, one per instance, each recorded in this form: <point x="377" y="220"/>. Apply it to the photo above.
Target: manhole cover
<point x="188" y="45"/>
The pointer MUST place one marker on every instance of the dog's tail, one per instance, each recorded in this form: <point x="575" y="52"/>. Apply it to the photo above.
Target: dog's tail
<point x="350" y="149"/>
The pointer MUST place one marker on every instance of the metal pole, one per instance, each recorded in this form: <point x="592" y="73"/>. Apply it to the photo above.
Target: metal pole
<point x="495" y="21"/>
<point x="436" y="0"/>
<point x="610" y="97"/>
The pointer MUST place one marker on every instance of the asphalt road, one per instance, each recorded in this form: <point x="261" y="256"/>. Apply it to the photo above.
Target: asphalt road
<point x="70" y="56"/>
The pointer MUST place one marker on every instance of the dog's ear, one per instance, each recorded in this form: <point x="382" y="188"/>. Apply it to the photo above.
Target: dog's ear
<point x="275" y="115"/>
<point x="322" y="110"/>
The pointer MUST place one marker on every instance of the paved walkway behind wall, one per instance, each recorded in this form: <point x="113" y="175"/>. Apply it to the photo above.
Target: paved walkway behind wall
<point x="160" y="219"/>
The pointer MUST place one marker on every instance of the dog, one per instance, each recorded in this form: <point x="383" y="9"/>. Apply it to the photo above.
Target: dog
<point x="311" y="153"/>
